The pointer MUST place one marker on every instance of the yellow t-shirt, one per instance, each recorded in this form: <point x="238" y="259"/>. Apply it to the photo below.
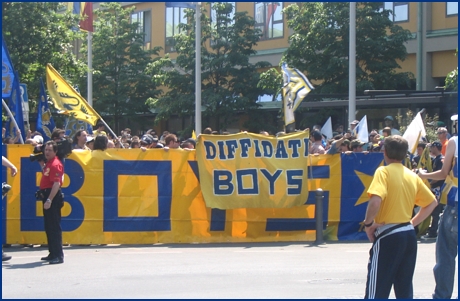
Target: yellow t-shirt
<point x="400" y="189"/>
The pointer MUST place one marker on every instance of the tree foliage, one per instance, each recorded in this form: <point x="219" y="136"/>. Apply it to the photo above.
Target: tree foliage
<point x="37" y="34"/>
<point x="319" y="46"/>
<point x="452" y="78"/>
<point x="229" y="80"/>
<point x="120" y="85"/>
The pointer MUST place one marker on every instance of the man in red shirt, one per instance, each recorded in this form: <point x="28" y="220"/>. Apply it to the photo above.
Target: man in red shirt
<point x="50" y="186"/>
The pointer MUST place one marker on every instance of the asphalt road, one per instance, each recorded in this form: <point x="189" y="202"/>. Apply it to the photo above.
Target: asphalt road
<point x="335" y="270"/>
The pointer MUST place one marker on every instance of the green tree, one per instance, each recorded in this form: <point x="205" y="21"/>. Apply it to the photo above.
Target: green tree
<point x="38" y="33"/>
<point x="120" y="85"/>
<point x="452" y="78"/>
<point x="319" y="46"/>
<point x="229" y="80"/>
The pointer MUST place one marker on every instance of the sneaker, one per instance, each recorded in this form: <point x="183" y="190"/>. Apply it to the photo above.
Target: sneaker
<point x="428" y="236"/>
<point x="5" y="257"/>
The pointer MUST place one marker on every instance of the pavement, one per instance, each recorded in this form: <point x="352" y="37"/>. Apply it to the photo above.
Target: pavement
<point x="334" y="270"/>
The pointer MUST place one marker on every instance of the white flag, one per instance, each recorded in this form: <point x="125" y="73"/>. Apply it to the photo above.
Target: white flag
<point x="361" y="131"/>
<point x="414" y="132"/>
<point x="326" y="130"/>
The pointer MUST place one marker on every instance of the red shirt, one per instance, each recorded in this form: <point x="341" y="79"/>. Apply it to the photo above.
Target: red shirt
<point x="52" y="172"/>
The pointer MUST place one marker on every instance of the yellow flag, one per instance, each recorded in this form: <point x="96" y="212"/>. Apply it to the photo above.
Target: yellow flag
<point x="193" y="134"/>
<point x="67" y="100"/>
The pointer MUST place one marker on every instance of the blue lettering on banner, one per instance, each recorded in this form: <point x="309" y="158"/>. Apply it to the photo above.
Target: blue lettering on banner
<point x="295" y="144"/>
<point x="281" y="150"/>
<point x="223" y="182"/>
<point x="267" y="148"/>
<point x="252" y="173"/>
<point x="245" y="144"/>
<point x="271" y="179"/>
<point x="232" y="145"/>
<point x="303" y="224"/>
<point x="163" y="172"/>
<point x="29" y="219"/>
<point x="294" y="178"/>
<point x="210" y="149"/>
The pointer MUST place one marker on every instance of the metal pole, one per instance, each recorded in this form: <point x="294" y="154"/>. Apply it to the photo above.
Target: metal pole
<point x="419" y="46"/>
<point x="319" y="216"/>
<point x="352" y="65"/>
<point x="198" y="69"/>
<point x="90" y="68"/>
<point x="110" y="130"/>
<point x="12" y="119"/>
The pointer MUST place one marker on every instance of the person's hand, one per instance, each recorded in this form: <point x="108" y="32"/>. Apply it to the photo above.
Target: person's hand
<point x="14" y="171"/>
<point x="47" y="205"/>
<point x="347" y="135"/>
<point x="143" y="148"/>
<point x="370" y="231"/>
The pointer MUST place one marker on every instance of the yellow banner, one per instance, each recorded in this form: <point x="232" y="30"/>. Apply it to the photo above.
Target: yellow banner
<point x="67" y="100"/>
<point x="248" y="170"/>
<point x="126" y="196"/>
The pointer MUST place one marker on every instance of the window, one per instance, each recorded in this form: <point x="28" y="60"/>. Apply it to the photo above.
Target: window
<point x="174" y="17"/>
<point x="269" y="19"/>
<point x="219" y="25"/>
<point x="400" y="11"/>
<point x="144" y="21"/>
<point x="451" y="8"/>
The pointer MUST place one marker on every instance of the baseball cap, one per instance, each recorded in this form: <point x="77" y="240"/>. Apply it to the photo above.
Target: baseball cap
<point x="89" y="139"/>
<point x="357" y="142"/>
<point x="454" y="117"/>
<point x="389" y="118"/>
<point x="354" y="122"/>
<point x="147" y="138"/>
<point x="38" y="139"/>
<point x="437" y="144"/>
<point x="438" y="123"/>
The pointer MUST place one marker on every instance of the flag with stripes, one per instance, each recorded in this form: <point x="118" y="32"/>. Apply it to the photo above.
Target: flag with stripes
<point x="296" y="86"/>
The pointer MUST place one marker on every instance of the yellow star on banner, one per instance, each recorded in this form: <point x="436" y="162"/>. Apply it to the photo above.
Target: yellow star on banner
<point x="366" y="181"/>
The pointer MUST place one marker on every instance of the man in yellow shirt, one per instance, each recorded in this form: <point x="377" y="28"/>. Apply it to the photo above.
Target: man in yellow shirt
<point x="389" y="225"/>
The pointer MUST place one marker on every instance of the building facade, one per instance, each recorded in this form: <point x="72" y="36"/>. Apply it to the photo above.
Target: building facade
<point x="431" y="50"/>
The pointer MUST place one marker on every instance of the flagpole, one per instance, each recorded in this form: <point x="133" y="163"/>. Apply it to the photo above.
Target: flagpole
<point x="107" y="127"/>
<point x="90" y="68"/>
<point x="352" y="65"/>
<point x="198" y="69"/>
<point x="12" y="119"/>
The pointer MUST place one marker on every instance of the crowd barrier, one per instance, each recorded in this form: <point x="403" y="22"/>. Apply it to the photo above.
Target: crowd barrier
<point x="126" y="196"/>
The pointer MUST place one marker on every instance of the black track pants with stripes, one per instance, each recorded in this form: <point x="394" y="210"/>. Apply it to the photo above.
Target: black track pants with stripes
<point x="392" y="262"/>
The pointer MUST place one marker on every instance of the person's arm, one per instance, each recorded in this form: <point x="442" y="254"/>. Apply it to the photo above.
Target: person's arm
<point x="7" y="163"/>
<point x="446" y="167"/>
<point x="371" y="212"/>
<point x="54" y="191"/>
<point x="423" y="213"/>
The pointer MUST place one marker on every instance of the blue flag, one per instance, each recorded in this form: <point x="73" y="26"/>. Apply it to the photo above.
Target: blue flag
<point x="45" y="122"/>
<point x="7" y="72"/>
<point x="15" y="106"/>
<point x="181" y="4"/>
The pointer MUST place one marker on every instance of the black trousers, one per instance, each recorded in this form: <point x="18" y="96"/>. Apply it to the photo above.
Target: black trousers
<point x="53" y="224"/>
<point x="392" y="263"/>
